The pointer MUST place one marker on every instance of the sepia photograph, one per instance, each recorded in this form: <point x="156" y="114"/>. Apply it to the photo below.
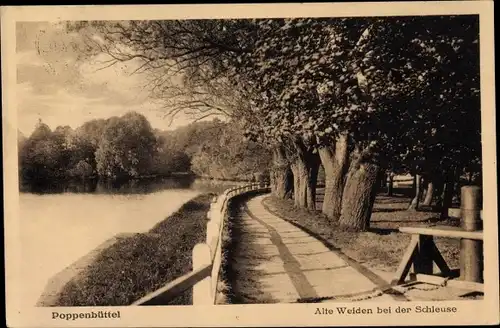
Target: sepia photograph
<point x="337" y="162"/>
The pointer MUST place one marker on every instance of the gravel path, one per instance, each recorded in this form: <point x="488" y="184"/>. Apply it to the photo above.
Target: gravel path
<point x="276" y="262"/>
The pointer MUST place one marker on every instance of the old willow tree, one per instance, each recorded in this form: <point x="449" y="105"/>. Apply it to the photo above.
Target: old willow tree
<point x="343" y="91"/>
<point x="419" y="84"/>
<point x="353" y="90"/>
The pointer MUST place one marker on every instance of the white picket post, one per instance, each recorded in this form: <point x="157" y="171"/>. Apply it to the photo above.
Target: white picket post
<point x="202" y="290"/>
<point x="218" y="215"/>
<point x="210" y="210"/>
<point x="212" y="233"/>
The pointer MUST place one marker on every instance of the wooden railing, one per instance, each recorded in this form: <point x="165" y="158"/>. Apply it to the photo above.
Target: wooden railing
<point x="423" y="253"/>
<point x="207" y="257"/>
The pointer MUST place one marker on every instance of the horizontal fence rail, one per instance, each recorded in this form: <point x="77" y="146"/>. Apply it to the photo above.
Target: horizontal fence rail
<point x="207" y="257"/>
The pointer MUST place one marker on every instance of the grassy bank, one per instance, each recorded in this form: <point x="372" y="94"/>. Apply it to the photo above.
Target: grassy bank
<point x="142" y="263"/>
<point x="231" y="240"/>
<point x="383" y="246"/>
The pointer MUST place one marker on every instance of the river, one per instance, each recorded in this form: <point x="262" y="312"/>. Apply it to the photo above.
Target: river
<point x="60" y="225"/>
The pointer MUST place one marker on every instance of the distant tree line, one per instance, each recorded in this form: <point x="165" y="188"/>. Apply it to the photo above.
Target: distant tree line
<point x="127" y="147"/>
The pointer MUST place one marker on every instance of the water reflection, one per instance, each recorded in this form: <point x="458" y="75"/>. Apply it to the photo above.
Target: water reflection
<point x="134" y="186"/>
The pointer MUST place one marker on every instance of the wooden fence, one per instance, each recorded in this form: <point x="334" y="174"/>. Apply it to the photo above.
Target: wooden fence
<point x="207" y="257"/>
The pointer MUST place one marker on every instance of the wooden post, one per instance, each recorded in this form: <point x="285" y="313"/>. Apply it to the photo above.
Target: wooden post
<point x="203" y="289"/>
<point x="210" y="210"/>
<point x="423" y="262"/>
<point x="212" y="232"/>
<point x="471" y="251"/>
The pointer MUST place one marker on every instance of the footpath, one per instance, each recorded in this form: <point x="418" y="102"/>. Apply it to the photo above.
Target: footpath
<point x="276" y="262"/>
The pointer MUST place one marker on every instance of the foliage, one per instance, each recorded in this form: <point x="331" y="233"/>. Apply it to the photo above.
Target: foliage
<point x="228" y="155"/>
<point x="40" y="154"/>
<point x="81" y="169"/>
<point x="383" y="79"/>
<point x="127" y="147"/>
<point x="391" y="82"/>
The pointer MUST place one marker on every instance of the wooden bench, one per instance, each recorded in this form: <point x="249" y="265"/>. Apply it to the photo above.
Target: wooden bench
<point x="422" y="253"/>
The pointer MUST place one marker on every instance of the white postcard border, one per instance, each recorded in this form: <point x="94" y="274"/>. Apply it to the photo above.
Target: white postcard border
<point x="468" y="312"/>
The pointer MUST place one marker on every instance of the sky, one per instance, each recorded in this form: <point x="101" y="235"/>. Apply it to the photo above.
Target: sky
<point x="58" y="87"/>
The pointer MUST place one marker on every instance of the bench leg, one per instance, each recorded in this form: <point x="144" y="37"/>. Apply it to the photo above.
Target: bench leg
<point x="422" y="262"/>
<point x="406" y="262"/>
<point x="439" y="260"/>
<point x="421" y="254"/>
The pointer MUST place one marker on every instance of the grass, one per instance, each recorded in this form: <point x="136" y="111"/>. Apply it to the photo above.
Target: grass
<point x="137" y="265"/>
<point x="235" y="284"/>
<point x="383" y="246"/>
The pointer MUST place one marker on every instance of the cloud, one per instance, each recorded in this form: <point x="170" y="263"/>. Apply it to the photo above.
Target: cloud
<point x="26" y="34"/>
<point x="65" y="108"/>
<point x="58" y="86"/>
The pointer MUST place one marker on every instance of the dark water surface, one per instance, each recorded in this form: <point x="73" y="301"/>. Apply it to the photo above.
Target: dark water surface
<point x="134" y="186"/>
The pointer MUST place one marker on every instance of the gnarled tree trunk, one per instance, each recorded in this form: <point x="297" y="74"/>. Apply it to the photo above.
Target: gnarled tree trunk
<point x="335" y="161"/>
<point x="359" y="192"/>
<point x="305" y="167"/>
<point x="281" y="175"/>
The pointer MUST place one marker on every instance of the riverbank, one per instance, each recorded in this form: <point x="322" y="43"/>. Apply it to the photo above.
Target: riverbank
<point x="136" y="265"/>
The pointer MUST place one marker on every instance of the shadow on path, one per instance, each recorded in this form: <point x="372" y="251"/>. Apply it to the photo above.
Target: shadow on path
<point x="273" y="260"/>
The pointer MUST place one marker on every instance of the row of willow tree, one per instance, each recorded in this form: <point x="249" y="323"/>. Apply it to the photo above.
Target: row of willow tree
<point x="126" y="147"/>
<point x="357" y="95"/>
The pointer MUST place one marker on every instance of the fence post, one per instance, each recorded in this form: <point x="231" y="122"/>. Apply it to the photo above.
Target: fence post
<point x="212" y="232"/>
<point x="202" y="290"/>
<point x="210" y="210"/>
<point x="471" y="251"/>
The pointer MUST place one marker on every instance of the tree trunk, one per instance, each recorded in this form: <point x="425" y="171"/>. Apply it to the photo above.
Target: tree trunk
<point x="282" y="183"/>
<point x="281" y="175"/>
<point x="438" y="192"/>
<point x="416" y="199"/>
<point x="390" y="185"/>
<point x="305" y="169"/>
<point x="359" y="193"/>
<point x="296" y="184"/>
<point x="335" y="164"/>
<point x="449" y="189"/>
<point x="447" y="198"/>
<point x="300" y="183"/>
<point x="312" y="181"/>
<point x="382" y="181"/>
<point x="429" y="194"/>
<point x="423" y="192"/>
